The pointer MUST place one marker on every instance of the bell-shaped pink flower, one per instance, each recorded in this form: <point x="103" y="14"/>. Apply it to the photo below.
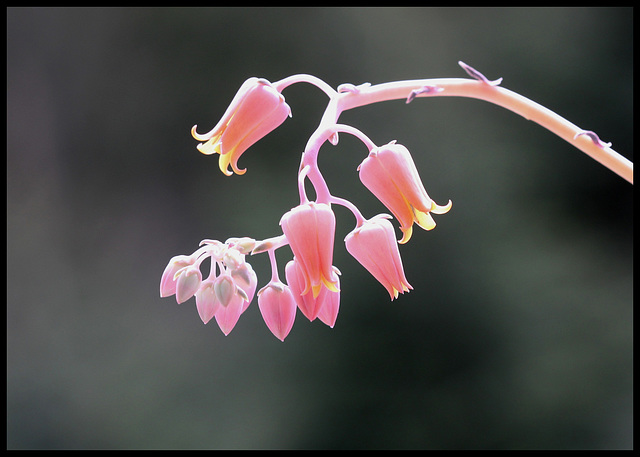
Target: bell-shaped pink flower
<point x="278" y="308"/>
<point x="308" y="304"/>
<point x="310" y="231"/>
<point x="257" y="109"/>
<point x="374" y="245"/>
<point x="390" y="174"/>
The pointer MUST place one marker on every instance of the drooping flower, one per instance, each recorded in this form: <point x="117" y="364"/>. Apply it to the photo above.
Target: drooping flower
<point x="308" y="304"/>
<point x="257" y="109"/>
<point x="310" y="231"/>
<point x="391" y="175"/>
<point x="374" y="245"/>
<point x="278" y="308"/>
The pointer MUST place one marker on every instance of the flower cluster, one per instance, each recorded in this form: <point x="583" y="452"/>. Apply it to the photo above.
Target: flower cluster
<point x="388" y="172"/>
<point x="227" y="291"/>
<point x="312" y="280"/>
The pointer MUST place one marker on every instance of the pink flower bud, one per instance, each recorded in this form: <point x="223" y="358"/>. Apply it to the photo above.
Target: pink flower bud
<point x="247" y="280"/>
<point x="227" y="316"/>
<point x="168" y="282"/>
<point x="225" y="288"/>
<point x="278" y="308"/>
<point x="187" y="283"/>
<point x="206" y="301"/>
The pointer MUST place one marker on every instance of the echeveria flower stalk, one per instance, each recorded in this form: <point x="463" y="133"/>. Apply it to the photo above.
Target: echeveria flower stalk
<point x="388" y="171"/>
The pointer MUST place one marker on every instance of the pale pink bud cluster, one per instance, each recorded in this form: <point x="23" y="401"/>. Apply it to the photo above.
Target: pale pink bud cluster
<point x="228" y="290"/>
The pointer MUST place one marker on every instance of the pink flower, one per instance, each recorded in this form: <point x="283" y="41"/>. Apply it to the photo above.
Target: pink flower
<point x="310" y="231"/>
<point x="278" y="308"/>
<point x="390" y="174"/>
<point x="374" y="245"/>
<point x="257" y="109"/>
<point x="309" y="305"/>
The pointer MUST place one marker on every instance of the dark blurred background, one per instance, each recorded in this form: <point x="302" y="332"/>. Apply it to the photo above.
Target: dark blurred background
<point x="518" y="333"/>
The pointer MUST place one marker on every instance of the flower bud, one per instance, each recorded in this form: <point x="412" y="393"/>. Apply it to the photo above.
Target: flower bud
<point x="224" y="288"/>
<point x="206" y="301"/>
<point x="227" y="316"/>
<point x="278" y="308"/>
<point x="187" y="283"/>
<point x="168" y="282"/>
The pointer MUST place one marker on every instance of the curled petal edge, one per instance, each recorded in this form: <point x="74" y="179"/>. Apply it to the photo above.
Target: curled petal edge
<point x="437" y="209"/>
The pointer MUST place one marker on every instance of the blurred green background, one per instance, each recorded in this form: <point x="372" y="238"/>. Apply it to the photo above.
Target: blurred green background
<point x="518" y="333"/>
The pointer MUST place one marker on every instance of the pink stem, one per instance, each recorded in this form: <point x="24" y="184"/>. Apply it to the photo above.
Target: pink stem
<point x="458" y="87"/>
